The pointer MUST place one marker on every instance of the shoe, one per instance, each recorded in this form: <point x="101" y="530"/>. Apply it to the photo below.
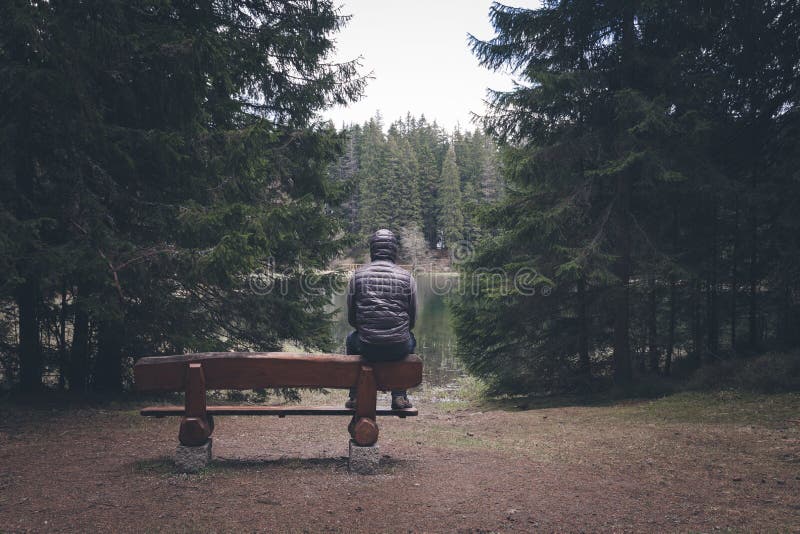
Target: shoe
<point x="350" y="404"/>
<point x="401" y="403"/>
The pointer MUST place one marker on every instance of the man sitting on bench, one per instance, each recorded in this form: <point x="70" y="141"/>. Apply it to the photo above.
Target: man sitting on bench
<point x="382" y="307"/>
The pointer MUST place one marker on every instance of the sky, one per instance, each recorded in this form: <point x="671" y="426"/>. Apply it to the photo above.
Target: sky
<point x="418" y="54"/>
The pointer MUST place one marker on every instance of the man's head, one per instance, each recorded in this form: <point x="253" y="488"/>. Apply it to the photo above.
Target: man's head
<point x="383" y="246"/>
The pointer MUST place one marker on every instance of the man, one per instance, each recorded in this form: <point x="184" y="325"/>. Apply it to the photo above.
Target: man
<point x="382" y="307"/>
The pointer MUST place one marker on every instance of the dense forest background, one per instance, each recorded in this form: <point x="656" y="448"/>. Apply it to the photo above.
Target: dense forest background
<point x="156" y="157"/>
<point x="652" y="153"/>
<point x="422" y="182"/>
<point x="160" y="157"/>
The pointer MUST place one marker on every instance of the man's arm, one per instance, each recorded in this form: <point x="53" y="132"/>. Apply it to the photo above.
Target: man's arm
<point x="412" y="304"/>
<point x="351" y="308"/>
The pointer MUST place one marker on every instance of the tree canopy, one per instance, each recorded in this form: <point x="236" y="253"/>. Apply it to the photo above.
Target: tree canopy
<point x="157" y="158"/>
<point x="416" y="179"/>
<point x="651" y="186"/>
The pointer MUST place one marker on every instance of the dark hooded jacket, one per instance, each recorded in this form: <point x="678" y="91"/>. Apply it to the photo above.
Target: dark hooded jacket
<point x="382" y="297"/>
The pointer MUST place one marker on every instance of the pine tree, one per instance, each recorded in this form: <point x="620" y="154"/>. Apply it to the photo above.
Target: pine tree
<point x="451" y="218"/>
<point x="429" y="151"/>
<point x="477" y="165"/>
<point x="376" y="204"/>
<point x="581" y="138"/>
<point x="345" y="174"/>
<point x="401" y="177"/>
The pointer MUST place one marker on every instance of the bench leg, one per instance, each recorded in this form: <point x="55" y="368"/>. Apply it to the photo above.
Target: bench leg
<point x="365" y="429"/>
<point x="194" y="451"/>
<point x="196" y="425"/>
<point x="364" y="453"/>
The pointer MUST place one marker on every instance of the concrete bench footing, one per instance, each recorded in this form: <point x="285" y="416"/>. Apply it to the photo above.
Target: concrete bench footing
<point x="364" y="460"/>
<point x="192" y="459"/>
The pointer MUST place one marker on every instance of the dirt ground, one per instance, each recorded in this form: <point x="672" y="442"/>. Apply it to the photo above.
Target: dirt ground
<point x="685" y="463"/>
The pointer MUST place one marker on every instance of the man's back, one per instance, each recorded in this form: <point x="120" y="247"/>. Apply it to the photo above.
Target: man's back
<point x="382" y="307"/>
<point x="382" y="303"/>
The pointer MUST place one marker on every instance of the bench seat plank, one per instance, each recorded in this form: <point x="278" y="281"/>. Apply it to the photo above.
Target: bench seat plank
<point x="280" y="411"/>
<point x="251" y="370"/>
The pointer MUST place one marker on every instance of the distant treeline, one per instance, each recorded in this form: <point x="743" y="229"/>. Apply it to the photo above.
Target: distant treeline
<point x="652" y="154"/>
<point x="417" y="180"/>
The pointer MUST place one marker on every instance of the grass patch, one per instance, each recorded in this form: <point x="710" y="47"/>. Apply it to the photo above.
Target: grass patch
<point x="718" y="407"/>
<point x="773" y="372"/>
<point x="465" y="392"/>
<point x="160" y="467"/>
<point x="448" y="437"/>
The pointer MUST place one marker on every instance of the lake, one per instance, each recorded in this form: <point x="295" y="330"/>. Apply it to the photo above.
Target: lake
<point x="436" y="341"/>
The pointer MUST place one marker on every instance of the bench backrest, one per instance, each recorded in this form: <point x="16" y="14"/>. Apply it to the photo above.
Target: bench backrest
<point x="252" y="370"/>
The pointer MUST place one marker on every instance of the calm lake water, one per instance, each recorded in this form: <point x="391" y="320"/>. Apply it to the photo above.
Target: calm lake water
<point x="436" y="342"/>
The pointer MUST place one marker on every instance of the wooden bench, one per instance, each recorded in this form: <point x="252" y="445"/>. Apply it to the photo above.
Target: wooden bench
<point x="194" y="374"/>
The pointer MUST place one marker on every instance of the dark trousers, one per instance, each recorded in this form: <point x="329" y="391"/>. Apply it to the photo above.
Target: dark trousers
<point x="379" y="353"/>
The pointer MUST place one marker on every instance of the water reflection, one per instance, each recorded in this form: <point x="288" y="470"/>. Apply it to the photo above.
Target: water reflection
<point x="436" y="342"/>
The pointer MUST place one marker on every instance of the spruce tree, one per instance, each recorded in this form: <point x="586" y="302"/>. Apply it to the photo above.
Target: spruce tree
<point x="451" y="218"/>
<point x="401" y="176"/>
<point x="581" y="136"/>
<point x="376" y="205"/>
<point x="426" y="142"/>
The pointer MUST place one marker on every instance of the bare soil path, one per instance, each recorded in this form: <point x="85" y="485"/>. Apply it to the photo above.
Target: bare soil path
<point x="685" y="463"/>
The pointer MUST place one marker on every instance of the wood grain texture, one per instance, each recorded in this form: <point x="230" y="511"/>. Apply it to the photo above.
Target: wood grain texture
<point x="365" y="432"/>
<point x="366" y="393"/>
<point x="194" y="431"/>
<point x="280" y="411"/>
<point x="195" y="427"/>
<point x="195" y="391"/>
<point x="249" y="370"/>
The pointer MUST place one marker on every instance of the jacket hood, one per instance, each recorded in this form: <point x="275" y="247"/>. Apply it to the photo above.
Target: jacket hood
<point x="383" y="246"/>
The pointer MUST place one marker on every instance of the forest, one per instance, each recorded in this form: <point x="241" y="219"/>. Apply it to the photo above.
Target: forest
<point x="606" y="250"/>
<point x="417" y="179"/>
<point x="646" y="168"/>
<point x="154" y="157"/>
<point x="652" y="156"/>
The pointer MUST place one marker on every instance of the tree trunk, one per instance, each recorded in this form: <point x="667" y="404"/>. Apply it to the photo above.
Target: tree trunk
<point x="673" y="293"/>
<point x="621" y="359"/>
<point x="734" y="275"/>
<point x="62" y="338"/>
<point x="712" y="351"/>
<point x="27" y="294"/>
<point x="784" y="333"/>
<point x="672" y="320"/>
<point x="652" y="325"/>
<point x="697" y="332"/>
<point x="622" y="352"/>
<point x="584" y="363"/>
<point x="79" y="357"/>
<point x="753" y="312"/>
<point x="30" y="350"/>
<point x="108" y="369"/>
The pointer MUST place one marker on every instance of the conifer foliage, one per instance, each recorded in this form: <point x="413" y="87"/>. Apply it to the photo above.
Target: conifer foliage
<point x="650" y="188"/>
<point x="416" y="179"/>
<point x="156" y="156"/>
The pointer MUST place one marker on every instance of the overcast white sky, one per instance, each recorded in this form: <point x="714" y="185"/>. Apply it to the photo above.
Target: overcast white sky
<point x="418" y="54"/>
